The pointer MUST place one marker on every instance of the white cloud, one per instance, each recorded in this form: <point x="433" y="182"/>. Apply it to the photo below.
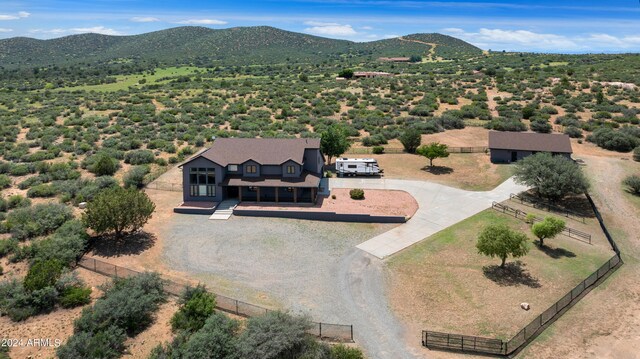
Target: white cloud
<point x="77" y="30"/>
<point x="19" y="15"/>
<point x="390" y="36"/>
<point x="202" y="22"/>
<point x="330" y="29"/>
<point x="5" y="30"/>
<point x="515" y="40"/>
<point x="144" y="19"/>
<point x="368" y="28"/>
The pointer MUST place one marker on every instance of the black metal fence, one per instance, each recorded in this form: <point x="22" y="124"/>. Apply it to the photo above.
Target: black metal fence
<point x="334" y="332"/>
<point x="522" y="215"/>
<point x="165" y="186"/>
<point x="547" y="206"/>
<point x="369" y="150"/>
<point x="437" y="340"/>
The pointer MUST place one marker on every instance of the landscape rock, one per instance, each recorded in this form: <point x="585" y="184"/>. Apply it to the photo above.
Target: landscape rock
<point x="82" y="205"/>
<point x="525" y="306"/>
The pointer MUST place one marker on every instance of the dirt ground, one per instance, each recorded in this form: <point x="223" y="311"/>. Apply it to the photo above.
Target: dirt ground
<point x="470" y="171"/>
<point x="376" y="202"/>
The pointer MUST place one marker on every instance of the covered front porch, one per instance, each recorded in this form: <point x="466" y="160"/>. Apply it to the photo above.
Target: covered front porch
<point x="303" y="189"/>
<point x="273" y="194"/>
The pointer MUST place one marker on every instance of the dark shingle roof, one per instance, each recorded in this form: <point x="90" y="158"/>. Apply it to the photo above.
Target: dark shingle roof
<point x="306" y="180"/>
<point x="265" y="151"/>
<point x="530" y="141"/>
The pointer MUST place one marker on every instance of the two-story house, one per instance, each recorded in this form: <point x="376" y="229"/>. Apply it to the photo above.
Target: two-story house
<point x="255" y="169"/>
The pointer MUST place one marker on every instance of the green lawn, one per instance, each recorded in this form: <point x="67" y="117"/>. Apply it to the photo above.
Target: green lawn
<point x="123" y="82"/>
<point x="455" y="289"/>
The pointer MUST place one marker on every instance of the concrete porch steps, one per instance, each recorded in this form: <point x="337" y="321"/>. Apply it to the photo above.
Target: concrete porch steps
<point x="224" y="210"/>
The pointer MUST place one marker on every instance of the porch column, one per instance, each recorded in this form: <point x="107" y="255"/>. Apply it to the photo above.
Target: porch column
<point x="295" y="195"/>
<point x="258" y="194"/>
<point x="240" y="193"/>
<point x="313" y="195"/>
<point x="277" y="191"/>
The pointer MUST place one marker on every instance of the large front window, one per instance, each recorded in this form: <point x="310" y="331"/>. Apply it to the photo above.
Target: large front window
<point x="202" y="182"/>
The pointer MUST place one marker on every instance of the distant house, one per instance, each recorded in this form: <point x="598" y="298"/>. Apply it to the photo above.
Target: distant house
<point x="370" y="74"/>
<point x="254" y="169"/>
<point x="507" y="147"/>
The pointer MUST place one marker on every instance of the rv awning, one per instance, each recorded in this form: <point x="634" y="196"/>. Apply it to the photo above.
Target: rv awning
<point x="306" y="180"/>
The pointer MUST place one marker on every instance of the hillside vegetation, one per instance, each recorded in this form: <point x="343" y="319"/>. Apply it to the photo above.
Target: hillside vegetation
<point x="200" y="45"/>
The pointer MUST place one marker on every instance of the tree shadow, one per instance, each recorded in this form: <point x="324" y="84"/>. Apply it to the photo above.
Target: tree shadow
<point x="133" y="243"/>
<point x="513" y="274"/>
<point x="555" y="253"/>
<point x="438" y="170"/>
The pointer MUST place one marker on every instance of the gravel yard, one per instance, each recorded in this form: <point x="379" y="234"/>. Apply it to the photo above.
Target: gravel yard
<point x="303" y="266"/>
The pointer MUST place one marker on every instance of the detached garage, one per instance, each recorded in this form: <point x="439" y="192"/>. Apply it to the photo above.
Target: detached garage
<point x="507" y="147"/>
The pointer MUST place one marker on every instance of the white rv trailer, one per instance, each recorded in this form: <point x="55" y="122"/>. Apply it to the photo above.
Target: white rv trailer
<point x="357" y="167"/>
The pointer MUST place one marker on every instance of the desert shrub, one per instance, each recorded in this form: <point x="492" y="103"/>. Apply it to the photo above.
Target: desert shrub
<point x="1" y="270"/>
<point x="7" y="246"/>
<point x="356" y="193"/>
<point x="378" y="150"/>
<point x="573" y="132"/>
<point x="67" y="244"/>
<point x="38" y="220"/>
<point x="128" y="304"/>
<point x="44" y="300"/>
<point x="15" y="301"/>
<point x="4" y="206"/>
<point x="5" y="181"/>
<point x="342" y="351"/>
<point x="106" y="344"/>
<point x="103" y="165"/>
<point x="43" y="274"/>
<point x="139" y="157"/>
<point x="216" y="339"/>
<point x="449" y="122"/>
<point x="17" y="201"/>
<point x="73" y="297"/>
<point x="636" y="154"/>
<point x="374" y="140"/>
<point x="135" y="177"/>
<point x="196" y="306"/>
<point x="540" y="126"/>
<point x="118" y="210"/>
<point x="504" y="124"/>
<point x="611" y="139"/>
<point x="274" y="335"/>
<point x="20" y="170"/>
<point x="411" y="140"/>
<point x="633" y="183"/>
<point x="42" y="190"/>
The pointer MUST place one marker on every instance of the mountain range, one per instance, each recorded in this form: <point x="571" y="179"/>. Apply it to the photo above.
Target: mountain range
<point x="201" y="45"/>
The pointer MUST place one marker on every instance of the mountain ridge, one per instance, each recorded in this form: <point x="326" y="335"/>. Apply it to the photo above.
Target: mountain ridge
<point x="195" y="43"/>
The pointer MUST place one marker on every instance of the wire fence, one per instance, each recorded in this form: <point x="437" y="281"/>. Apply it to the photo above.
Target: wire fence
<point x="522" y="215"/>
<point x="548" y="206"/>
<point x="165" y="186"/>
<point x="395" y="150"/>
<point x="526" y="335"/>
<point x="327" y="331"/>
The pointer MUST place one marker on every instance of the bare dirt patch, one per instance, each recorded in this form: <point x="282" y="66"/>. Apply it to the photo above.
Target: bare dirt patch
<point x="376" y="202"/>
<point x="470" y="171"/>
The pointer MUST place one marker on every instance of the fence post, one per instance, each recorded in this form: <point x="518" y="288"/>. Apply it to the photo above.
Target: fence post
<point x="94" y="265"/>
<point x="237" y="313"/>
<point x="116" y="270"/>
<point x="320" y="326"/>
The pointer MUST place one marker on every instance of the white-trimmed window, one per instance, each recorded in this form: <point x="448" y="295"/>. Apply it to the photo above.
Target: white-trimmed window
<point x="291" y="170"/>
<point x="251" y="169"/>
<point x="232" y="168"/>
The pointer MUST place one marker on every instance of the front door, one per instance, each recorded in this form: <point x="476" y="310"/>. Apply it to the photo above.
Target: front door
<point x="232" y="192"/>
<point x="514" y="156"/>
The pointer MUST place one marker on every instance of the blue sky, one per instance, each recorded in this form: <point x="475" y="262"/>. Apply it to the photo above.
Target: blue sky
<point x="540" y="26"/>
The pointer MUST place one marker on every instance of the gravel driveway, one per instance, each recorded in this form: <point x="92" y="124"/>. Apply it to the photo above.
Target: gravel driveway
<point x="303" y="266"/>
